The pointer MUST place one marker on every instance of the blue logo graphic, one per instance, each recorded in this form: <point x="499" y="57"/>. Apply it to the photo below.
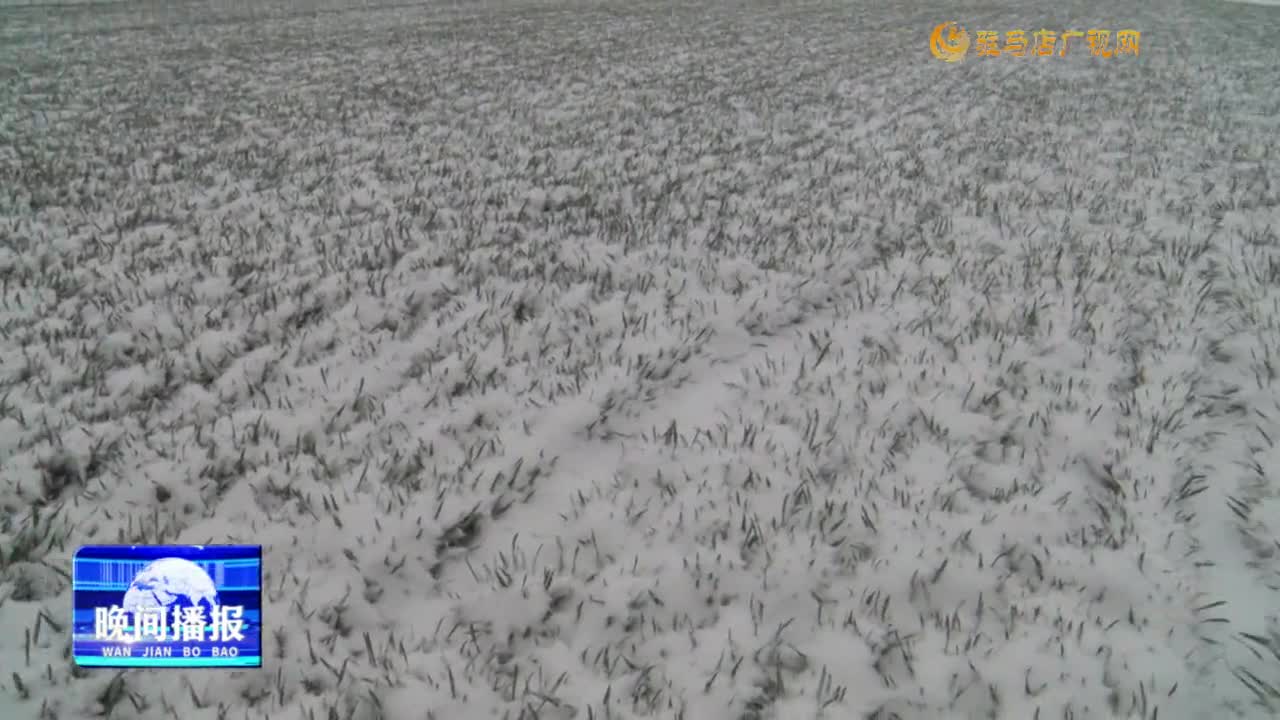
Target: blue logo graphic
<point x="167" y="606"/>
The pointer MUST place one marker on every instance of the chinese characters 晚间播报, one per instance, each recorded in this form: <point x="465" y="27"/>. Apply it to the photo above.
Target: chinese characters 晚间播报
<point x="225" y="623"/>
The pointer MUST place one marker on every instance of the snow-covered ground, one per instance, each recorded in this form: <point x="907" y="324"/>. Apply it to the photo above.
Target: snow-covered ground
<point x="716" y="361"/>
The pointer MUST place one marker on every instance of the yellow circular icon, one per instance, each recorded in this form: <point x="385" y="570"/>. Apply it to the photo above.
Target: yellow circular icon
<point x="949" y="43"/>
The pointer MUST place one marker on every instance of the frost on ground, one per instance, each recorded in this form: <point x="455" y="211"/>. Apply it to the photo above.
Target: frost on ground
<point x="676" y="360"/>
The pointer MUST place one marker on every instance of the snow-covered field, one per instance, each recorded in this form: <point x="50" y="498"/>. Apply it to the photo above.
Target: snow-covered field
<point x="612" y="360"/>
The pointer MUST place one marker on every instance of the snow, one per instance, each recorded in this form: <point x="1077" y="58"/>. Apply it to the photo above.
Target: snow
<point x="572" y="359"/>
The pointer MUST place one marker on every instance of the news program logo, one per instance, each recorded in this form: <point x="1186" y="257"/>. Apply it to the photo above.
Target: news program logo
<point x="184" y="606"/>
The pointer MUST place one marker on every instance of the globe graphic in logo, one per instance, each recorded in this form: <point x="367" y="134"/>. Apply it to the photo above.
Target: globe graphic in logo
<point x="171" y="583"/>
